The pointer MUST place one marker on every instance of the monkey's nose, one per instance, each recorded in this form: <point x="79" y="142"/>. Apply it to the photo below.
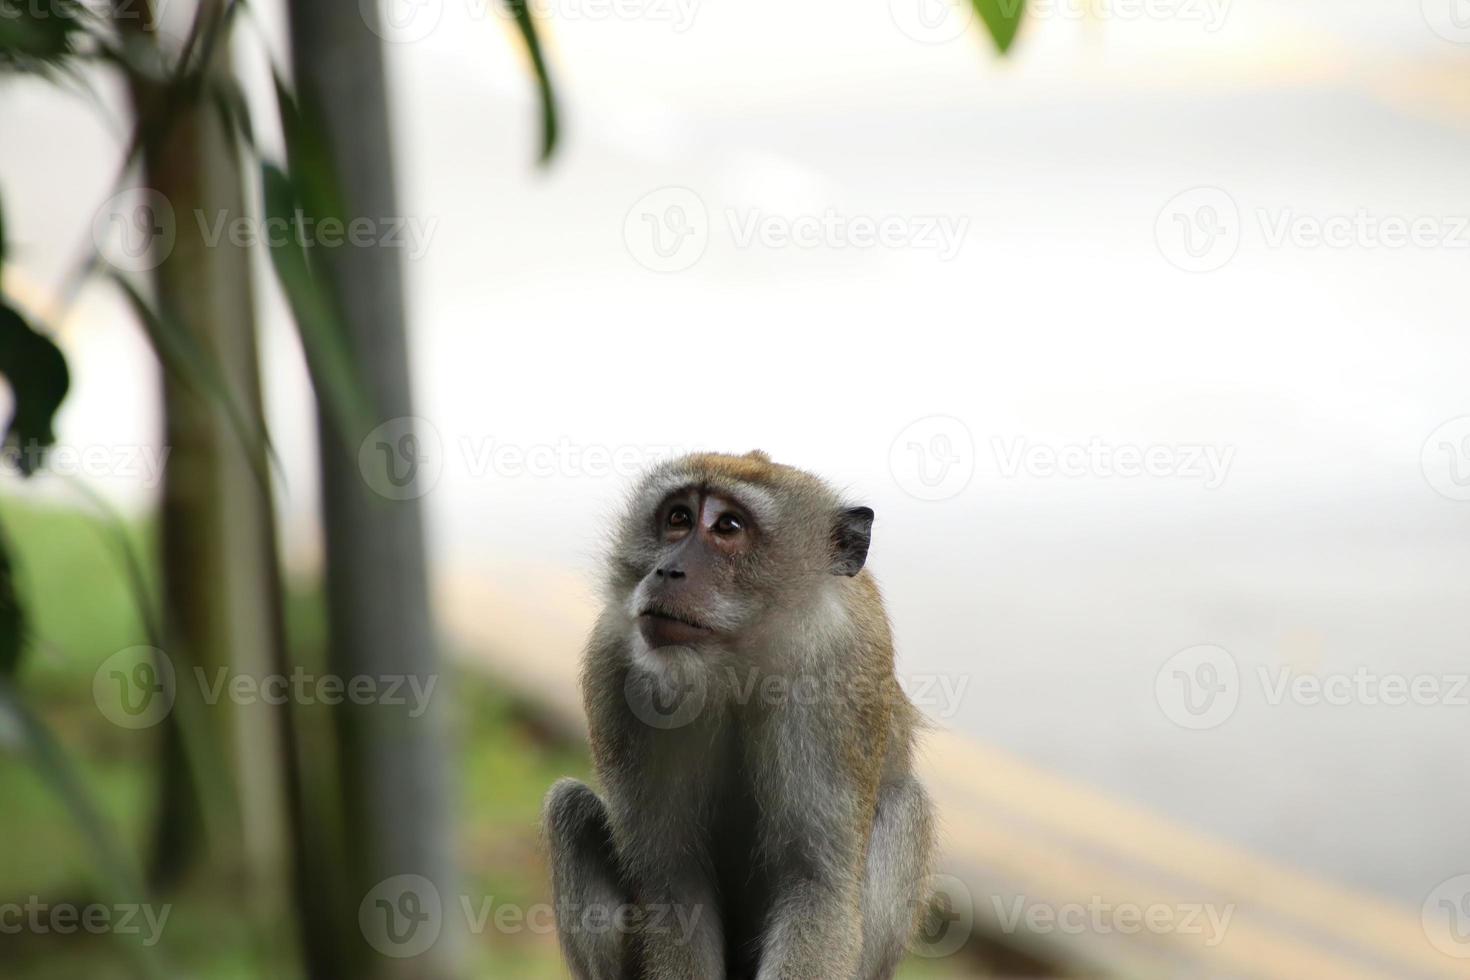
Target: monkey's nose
<point x="669" y="572"/>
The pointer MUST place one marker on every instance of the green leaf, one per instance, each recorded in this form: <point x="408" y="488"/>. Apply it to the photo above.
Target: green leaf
<point x="329" y="357"/>
<point x="526" y="26"/>
<point x="229" y="99"/>
<point x="1002" y="19"/>
<point x="313" y="174"/>
<point x="12" y="620"/>
<point x="21" y="727"/>
<point x="182" y="355"/>
<point x="39" y="380"/>
<point x="311" y="189"/>
<point x="35" y="34"/>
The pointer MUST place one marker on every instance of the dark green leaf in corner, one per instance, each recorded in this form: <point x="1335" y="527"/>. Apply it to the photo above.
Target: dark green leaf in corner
<point x="526" y="26"/>
<point x="38" y="379"/>
<point x="1002" y="19"/>
<point x="38" y="34"/>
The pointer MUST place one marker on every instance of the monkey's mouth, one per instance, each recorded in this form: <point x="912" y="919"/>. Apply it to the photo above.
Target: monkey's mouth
<point x="664" y="627"/>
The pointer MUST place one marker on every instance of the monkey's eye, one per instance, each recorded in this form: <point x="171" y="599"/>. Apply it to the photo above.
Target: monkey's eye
<point x="729" y="524"/>
<point x="680" y="518"/>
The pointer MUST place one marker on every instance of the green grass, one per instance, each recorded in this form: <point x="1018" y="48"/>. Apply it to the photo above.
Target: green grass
<point x="80" y="611"/>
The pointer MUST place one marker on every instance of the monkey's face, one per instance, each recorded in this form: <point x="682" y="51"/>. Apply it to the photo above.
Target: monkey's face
<point x="706" y="544"/>
<point x="732" y="552"/>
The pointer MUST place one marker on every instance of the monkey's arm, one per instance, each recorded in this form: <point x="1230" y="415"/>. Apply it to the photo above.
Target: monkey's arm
<point x="818" y="812"/>
<point x="654" y="817"/>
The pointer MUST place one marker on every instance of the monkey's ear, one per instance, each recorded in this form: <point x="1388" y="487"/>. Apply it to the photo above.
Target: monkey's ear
<point x="850" y="538"/>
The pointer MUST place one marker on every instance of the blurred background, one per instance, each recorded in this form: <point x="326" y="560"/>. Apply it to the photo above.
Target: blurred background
<point x="335" y="333"/>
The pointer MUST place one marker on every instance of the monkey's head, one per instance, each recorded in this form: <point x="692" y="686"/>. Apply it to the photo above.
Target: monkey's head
<point x="712" y="546"/>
